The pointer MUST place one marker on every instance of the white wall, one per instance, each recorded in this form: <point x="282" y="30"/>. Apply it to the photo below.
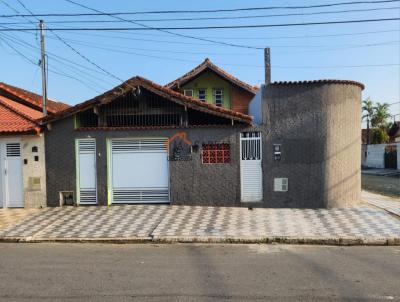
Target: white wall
<point x="376" y="156"/>
<point x="255" y="109"/>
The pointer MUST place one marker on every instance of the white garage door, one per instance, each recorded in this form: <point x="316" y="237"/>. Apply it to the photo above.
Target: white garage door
<point x="139" y="171"/>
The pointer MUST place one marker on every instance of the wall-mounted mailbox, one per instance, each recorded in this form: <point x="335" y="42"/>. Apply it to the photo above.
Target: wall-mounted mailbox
<point x="277" y="151"/>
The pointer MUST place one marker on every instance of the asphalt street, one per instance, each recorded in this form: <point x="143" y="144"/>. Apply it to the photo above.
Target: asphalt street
<point x="185" y="272"/>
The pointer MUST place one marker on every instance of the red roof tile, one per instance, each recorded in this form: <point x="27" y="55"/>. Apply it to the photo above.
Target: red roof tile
<point x="32" y="98"/>
<point x="14" y="119"/>
<point x="157" y="89"/>
<point x="207" y="64"/>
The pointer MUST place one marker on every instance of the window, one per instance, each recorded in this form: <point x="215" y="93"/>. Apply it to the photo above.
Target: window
<point x="216" y="154"/>
<point x="218" y="97"/>
<point x="202" y="94"/>
<point x="188" y="92"/>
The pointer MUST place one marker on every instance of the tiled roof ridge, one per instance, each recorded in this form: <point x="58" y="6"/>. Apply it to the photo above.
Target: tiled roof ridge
<point x="30" y="96"/>
<point x="25" y="116"/>
<point x="320" y="81"/>
<point x="141" y="81"/>
<point x="208" y="64"/>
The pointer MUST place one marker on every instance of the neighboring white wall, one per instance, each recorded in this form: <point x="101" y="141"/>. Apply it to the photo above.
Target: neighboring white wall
<point x="255" y="109"/>
<point x="376" y="156"/>
<point x="34" y="193"/>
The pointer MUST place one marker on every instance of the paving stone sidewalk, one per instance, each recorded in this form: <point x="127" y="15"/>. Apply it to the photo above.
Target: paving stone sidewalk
<point x="155" y="223"/>
<point x="389" y="204"/>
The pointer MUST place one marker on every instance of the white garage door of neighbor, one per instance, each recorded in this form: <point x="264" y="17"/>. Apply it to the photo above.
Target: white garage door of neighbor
<point x="139" y="171"/>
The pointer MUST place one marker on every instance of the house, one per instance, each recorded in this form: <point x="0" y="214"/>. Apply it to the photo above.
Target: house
<point x="22" y="160"/>
<point x="141" y="142"/>
<point x="211" y="84"/>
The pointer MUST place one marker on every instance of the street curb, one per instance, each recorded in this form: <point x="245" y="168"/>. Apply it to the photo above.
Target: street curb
<point x="340" y="241"/>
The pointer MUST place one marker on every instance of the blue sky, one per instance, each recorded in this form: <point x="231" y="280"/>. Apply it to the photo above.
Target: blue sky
<point x="297" y="54"/>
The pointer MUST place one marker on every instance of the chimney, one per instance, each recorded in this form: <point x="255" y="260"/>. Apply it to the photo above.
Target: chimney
<point x="267" y="63"/>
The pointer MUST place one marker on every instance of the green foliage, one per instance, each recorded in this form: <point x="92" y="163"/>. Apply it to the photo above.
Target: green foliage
<point x="379" y="136"/>
<point x="378" y="114"/>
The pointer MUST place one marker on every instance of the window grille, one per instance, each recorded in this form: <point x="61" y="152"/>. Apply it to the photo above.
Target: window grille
<point x="251" y="145"/>
<point x="218" y="97"/>
<point x="216" y="153"/>
<point x="202" y="95"/>
<point x="13" y="149"/>
<point x="188" y="92"/>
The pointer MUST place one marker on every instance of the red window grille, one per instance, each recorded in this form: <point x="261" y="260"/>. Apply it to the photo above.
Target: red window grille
<point x="216" y="154"/>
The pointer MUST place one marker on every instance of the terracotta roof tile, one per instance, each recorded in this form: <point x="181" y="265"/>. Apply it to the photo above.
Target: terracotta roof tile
<point x="32" y="98"/>
<point x="207" y="64"/>
<point x="157" y="89"/>
<point x="13" y="121"/>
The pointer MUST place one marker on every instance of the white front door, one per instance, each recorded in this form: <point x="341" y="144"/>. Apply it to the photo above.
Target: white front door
<point x="11" y="181"/>
<point x="139" y="171"/>
<point x="250" y="167"/>
<point x="86" y="171"/>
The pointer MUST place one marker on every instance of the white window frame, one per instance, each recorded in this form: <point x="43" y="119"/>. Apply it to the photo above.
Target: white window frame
<point x="221" y="94"/>
<point x="187" y="91"/>
<point x="205" y="94"/>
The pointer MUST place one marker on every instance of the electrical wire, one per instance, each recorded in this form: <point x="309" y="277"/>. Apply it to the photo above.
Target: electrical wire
<point x="99" y="13"/>
<point x="167" y="29"/>
<point x="217" y="18"/>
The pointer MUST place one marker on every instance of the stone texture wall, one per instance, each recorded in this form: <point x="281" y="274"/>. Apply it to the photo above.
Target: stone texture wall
<point x="318" y="127"/>
<point x="191" y="182"/>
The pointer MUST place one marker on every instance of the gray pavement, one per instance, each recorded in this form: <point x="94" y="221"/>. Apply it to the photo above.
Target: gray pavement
<point x="94" y="272"/>
<point x="381" y="183"/>
<point x="391" y="205"/>
<point x="137" y="223"/>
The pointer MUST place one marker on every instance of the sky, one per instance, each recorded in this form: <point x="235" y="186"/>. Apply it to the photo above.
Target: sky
<point x="338" y="51"/>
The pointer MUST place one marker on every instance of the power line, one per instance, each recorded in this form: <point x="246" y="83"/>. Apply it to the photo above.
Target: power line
<point x="165" y="29"/>
<point x="99" y="13"/>
<point x="74" y="49"/>
<point x="215" y="18"/>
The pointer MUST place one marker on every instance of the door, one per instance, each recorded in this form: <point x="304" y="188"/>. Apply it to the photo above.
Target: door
<point x="139" y="171"/>
<point x="391" y="157"/>
<point x="11" y="166"/>
<point x="86" y="171"/>
<point x="250" y="167"/>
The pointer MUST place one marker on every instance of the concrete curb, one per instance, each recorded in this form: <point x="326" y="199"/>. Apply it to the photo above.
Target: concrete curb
<point x="339" y="241"/>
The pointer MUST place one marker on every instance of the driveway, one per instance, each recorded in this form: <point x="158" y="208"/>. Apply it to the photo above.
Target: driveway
<point x="161" y="223"/>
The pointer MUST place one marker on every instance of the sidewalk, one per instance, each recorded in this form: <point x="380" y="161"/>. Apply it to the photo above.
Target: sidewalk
<point x="155" y="223"/>
<point x="389" y="204"/>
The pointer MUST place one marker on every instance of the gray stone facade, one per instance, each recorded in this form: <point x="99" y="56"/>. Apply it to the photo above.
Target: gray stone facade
<point x="317" y="125"/>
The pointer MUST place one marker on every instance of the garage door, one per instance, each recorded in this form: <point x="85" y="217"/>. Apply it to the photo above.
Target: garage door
<point x="139" y="171"/>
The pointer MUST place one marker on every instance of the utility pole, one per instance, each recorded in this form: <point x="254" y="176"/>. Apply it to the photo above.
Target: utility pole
<point x="43" y="66"/>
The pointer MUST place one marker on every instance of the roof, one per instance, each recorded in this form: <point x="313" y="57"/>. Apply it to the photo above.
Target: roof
<point x="162" y="91"/>
<point x="207" y="64"/>
<point x="323" y="81"/>
<point x="17" y="118"/>
<point x="31" y="98"/>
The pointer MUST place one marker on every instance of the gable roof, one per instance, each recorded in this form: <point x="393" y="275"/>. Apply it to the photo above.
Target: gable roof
<point x="207" y="64"/>
<point x="162" y="91"/>
<point x="30" y="98"/>
<point x="17" y="118"/>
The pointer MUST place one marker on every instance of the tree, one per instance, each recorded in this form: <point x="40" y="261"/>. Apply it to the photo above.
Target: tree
<point x="368" y="112"/>
<point x="379" y="122"/>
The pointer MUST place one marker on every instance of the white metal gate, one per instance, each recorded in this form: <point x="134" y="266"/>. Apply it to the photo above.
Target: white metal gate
<point x="139" y="171"/>
<point x="86" y="171"/>
<point x="11" y="181"/>
<point x="250" y="167"/>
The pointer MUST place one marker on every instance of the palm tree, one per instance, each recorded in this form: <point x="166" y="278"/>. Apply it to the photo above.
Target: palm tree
<point x="368" y="110"/>
<point x="379" y="122"/>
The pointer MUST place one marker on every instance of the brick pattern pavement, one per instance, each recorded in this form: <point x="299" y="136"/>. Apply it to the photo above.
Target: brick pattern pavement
<point x="147" y="221"/>
<point x="10" y="217"/>
<point x="389" y="204"/>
